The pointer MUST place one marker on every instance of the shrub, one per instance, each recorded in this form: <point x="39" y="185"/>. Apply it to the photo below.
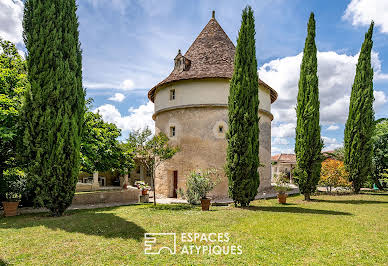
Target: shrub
<point x="198" y="184"/>
<point x="281" y="181"/>
<point x="15" y="184"/>
<point x="333" y="174"/>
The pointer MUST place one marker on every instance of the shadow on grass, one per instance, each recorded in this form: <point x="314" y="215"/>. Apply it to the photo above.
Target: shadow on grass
<point x="172" y="207"/>
<point x="89" y="222"/>
<point x="294" y="210"/>
<point x="351" y="201"/>
<point x="3" y="262"/>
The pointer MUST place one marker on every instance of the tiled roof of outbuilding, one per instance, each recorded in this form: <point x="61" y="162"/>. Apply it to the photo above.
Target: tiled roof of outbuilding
<point x="283" y="157"/>
<point x="211" y="56"/>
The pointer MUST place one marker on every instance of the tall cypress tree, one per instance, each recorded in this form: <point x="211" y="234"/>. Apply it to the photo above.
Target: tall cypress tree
<point x="243" y="135"/>
<point x="308" y="143"/>
<point x="54" y="106"/>
<point x="360" y="124"/>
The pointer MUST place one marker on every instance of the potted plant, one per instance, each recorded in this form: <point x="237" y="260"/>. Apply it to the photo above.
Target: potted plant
<point x="14" y="187"/>
<point x="282" y="187"/>
<point x="143" y="186"/>
<point x="198" y="184"/>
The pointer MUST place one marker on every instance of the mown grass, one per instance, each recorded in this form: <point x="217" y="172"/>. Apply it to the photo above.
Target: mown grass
<point x="341" y="230"/>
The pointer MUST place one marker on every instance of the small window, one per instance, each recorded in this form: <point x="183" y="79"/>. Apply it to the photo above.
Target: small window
<point x="172" y="94"/>
<point x="172" y="131"/>
<point x="220" y="129"/>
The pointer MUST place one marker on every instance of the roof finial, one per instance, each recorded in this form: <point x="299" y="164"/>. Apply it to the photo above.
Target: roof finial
<point x="213" y="14"/>
<point x="179" y="51"/>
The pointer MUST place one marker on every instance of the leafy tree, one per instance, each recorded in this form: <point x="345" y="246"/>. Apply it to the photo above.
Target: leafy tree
<point x="100" y="149"/>
<point x="360" y="124"/>
<point x="242" y="160"/>
<point x="53" y="111"/>
<point x="380" y="152"/>
<point x="308" y="143"/>
<point x="151" y="151"/>
<point x="13" y="81"/>
<point x="333" y="174"/>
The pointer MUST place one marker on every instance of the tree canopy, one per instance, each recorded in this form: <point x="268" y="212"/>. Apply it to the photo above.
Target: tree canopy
<point x="360" y="123"/>
<point x="13" y="82"/>
<point x="53" y="110"/>
<point x="308" y="142"/>
<point x="242" y="159"/>
<point x="100" y="148"/>
<point x="151" y="151"/>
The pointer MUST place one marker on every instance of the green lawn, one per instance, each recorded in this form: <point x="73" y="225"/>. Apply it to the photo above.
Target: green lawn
<point x="340" y="230"/>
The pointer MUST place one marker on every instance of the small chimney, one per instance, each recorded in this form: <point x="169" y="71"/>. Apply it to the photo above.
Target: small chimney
<point x="214" y="14"/>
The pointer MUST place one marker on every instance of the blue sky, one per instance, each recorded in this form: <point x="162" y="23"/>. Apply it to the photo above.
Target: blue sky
<point x="129" y="46"/>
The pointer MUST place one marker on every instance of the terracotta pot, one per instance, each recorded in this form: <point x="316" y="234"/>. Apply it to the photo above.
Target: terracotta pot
<point x="144" y="192"/>
<point x="282" y="198"/>
<point x="125" y="186"/>
<point x="10" y="208"/>
<point x="205" y="203"/>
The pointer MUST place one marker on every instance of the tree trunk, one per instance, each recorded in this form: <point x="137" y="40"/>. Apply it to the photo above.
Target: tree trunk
<point x="307" y="197"/>
<point x="2" y="185"/>
<point x="153" y="184"/>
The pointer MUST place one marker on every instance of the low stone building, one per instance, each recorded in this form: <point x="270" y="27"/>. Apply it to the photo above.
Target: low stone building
<point x="191" y="107"/>
<point x="283" y="163"/>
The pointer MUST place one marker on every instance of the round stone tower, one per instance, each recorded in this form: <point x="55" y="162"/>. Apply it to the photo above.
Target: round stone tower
<point x="191" y="108"/>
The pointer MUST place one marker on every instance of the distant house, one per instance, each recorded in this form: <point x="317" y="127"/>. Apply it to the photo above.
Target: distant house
<point x="283" y="163"/>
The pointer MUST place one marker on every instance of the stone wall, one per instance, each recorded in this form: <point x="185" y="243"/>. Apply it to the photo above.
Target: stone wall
<point x="203" y="146"/>
<point x="122" y="196"/>
<point x="197" y="112"/>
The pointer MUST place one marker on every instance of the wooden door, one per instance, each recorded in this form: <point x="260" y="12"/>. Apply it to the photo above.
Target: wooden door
<point x="174" y="195"/>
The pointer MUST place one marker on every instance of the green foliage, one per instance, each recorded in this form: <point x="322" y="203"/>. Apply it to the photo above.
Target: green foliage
<point x="243" y="134"/>
<point x="308" y="143"/>
<point x="15" y="184"/>
<point x="100" y="149"/>
<point x="13" y="81"/>
<point x="334" y="174"/>
<point x="360" y="124"/>
<point x="380" y="153"/>
<point x="150" y="150"/>
<point x="198" y="184"/>
<point x="53" y="110"/>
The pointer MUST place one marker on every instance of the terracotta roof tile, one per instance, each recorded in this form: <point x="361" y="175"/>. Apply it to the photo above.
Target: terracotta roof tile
<point x="211" y="56"/>
<point x="284" y="158"/>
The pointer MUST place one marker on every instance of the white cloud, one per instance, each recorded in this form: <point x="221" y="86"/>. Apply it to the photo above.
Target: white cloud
<point x="127" y="84"/>
<point x="283" y="130"/>
<point x="361" y="12"/>
<point x="94" y="85"/>
<point x="277" y="150"/>
<point x="139" y="118"/>
<point x="380" y="99"/>
<point x="11" y="16"/>
<point x="117" y="97"/>
<point x="328" y="140"/>
<point x="280" y="141"/>
<point x="22" y="54"/>
<point x="332" y="127"/>
<point x="336" y="75"/>
<point x="332" y="147"/>
<point x="330" y="143"/>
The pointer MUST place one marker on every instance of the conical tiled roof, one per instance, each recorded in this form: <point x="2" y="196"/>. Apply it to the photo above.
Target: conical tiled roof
<point x="210" y="56"/>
